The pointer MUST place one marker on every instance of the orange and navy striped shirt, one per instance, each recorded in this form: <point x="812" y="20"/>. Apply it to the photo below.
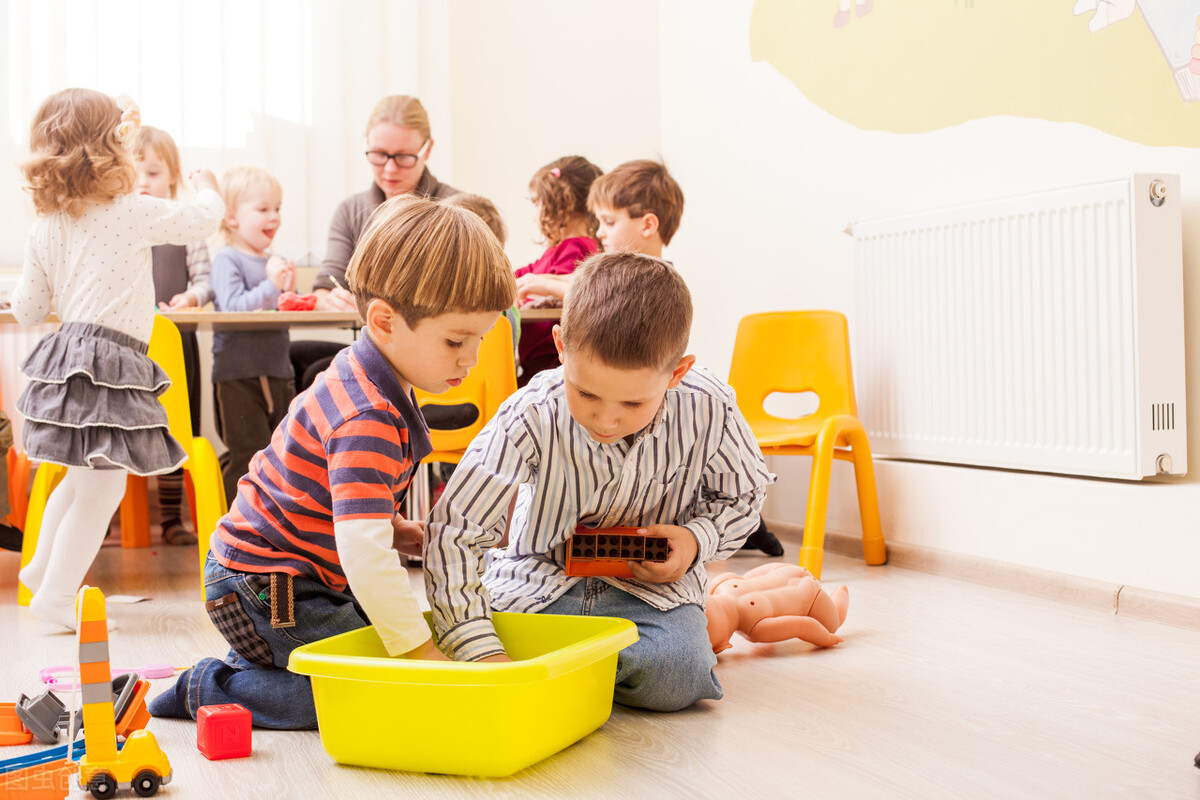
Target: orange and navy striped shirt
<point x="345" y="451"/>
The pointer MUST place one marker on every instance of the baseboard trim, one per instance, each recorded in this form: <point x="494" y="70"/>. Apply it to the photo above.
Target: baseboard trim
<point x="1168" y="609"/>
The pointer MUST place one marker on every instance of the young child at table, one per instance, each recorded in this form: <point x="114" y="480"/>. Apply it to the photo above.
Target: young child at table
<point x="626" y="433"/>
<point x="559" y="191"/>
<point x="91" y="404"/>
<point x="252" y="373"/>
<point x="309" y="550"/>
<point x="181" y="280"/>
<point x="637" y="208"/>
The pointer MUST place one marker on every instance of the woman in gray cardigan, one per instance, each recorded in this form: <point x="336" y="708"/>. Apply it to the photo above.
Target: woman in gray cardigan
<point x="398" y="144"/>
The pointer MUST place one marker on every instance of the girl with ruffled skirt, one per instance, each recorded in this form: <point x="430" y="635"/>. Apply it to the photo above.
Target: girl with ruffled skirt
<point x="92" y="401"/>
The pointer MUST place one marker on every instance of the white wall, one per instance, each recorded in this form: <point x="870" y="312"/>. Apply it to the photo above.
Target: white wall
<point x="770" y="179"/>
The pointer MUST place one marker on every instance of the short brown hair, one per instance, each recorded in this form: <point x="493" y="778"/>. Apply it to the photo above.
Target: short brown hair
<point x="400" y="109"/>
<point x="641" y="187"/>
<point x="631" y="311"/>
<point x="159" y="142"/>
<point x="235" y="182"/>
<point x="425" y="258"/>
<point x="483" y="208"/>
<point x="75" y="156"/>
<point x="560" y="190"/>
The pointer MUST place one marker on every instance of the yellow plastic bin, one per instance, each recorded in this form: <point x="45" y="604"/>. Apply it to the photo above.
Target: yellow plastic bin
<point x="488" y="720"/>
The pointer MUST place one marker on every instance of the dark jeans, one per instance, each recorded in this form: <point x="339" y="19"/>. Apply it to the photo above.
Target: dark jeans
<point x="275" y="697"/>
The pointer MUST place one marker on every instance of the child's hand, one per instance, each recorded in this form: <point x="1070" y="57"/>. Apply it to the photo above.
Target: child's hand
<point x="203" y="179"/>
<point x="683" y="553"/>
<point x="282" y="273"/>
<point x="407" y="535"/>
<point x="181" y="300"/>
<point x="428" y="652"/>
<point x="532" y="286"/>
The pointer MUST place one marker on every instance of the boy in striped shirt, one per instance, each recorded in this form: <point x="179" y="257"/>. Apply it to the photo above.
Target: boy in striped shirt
<point x="310" y="547"/>
<point x="628" y="432"/>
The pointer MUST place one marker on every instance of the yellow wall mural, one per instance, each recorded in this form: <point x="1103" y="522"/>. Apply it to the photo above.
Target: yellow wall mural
<point x="1128" y="67"/>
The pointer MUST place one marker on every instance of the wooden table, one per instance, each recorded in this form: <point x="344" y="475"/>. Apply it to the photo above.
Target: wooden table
<point x="259" y="320"/>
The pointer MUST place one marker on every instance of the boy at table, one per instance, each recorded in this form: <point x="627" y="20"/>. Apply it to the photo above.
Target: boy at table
<point x="627" y="432"/>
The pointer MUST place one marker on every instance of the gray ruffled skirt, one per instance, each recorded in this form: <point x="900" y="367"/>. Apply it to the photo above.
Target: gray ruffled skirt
<point x="92" y="401"/>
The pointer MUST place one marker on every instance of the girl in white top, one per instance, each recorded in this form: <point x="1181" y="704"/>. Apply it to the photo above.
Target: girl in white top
<point x="91" y="404"/>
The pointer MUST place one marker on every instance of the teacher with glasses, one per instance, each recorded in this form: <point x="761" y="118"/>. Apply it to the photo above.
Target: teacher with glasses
<point x="398" y="145"/>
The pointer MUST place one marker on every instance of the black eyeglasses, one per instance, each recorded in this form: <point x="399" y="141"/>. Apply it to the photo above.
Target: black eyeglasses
<point x="403" y="160"/>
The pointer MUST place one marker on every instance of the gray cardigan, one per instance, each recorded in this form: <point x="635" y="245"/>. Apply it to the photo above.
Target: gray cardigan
<point x="350" y="220"/>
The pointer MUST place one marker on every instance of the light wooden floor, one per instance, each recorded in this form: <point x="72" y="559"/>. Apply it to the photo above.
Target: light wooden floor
<point x="941" y="689"/>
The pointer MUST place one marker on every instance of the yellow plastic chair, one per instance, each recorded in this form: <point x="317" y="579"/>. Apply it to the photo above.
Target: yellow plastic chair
<point x="201" y="467"/>
<point x="808" y="351"/>
<point x="489" y="384"/>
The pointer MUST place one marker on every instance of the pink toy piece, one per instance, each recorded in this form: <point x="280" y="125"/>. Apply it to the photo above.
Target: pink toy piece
<point x="223" y="731"/>
<point x="62" y="678"/>
<point x="773" y="603"/>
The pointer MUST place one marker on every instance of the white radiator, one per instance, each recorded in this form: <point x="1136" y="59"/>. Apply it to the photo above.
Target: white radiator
<point x="1042" y="332"/>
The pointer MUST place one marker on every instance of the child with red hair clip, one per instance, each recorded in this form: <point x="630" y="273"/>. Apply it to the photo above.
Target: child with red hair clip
<point x="559" y="190"/>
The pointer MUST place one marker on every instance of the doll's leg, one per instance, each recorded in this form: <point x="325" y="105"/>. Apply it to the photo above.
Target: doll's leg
<point x="96" y="494"/>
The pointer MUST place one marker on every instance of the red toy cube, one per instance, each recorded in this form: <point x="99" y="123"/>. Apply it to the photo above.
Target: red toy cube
<point x="223" y="731"/>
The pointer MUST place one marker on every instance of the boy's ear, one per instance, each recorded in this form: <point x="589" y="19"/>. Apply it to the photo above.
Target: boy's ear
<point x="382" y="318"/>
<point x="649" y="224"/>
<point x="681" y="369"/>
<point x="556" y="332"/>
<point x="231" y="219"/>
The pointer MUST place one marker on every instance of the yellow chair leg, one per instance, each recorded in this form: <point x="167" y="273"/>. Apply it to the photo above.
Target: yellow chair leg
<point x="135" y="513"/>
<point x="210" y="496"/>
<point x="44" y="480"/>
<point x="812" y="551"/>
<point x="874" y="549"/>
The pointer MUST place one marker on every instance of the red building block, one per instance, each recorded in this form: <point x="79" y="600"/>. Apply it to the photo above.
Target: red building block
<point x="223" y="731"/>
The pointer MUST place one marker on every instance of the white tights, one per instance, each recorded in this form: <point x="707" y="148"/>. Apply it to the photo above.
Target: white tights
<point x="74" y="525"/>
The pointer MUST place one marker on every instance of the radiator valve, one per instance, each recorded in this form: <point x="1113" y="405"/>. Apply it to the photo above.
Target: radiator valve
<point x="1158" y="193"/>
<point x="1163" y="464"/>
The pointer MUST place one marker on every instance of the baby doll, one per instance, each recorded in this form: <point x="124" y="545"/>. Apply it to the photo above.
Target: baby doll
<point x="772" y="603"/>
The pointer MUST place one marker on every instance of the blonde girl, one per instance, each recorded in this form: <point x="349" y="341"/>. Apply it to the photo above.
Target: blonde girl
<point x="91" y="404"/>
<point x="181" y="280"/>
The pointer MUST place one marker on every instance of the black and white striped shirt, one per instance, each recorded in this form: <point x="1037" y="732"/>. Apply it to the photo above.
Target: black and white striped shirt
<point x="696" y="465"/>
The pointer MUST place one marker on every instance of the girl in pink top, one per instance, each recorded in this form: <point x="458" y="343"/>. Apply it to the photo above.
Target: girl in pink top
<point x="560" y="191"/>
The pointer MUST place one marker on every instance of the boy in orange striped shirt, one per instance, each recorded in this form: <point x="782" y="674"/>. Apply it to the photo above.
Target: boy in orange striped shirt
<point x="310" y="547"/>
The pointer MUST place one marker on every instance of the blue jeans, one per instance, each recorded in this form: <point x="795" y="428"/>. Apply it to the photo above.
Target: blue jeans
<point x="670" y="666"/>
<point x="275" y="697"/>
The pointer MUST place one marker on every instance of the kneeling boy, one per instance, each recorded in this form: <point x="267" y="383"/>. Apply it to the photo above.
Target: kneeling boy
<point x="626" y="433"/>
<point x="307" y="550"/>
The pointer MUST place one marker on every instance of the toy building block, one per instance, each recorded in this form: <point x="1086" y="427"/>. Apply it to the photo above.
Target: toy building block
<point x="42" y="716"/>
<point x="11" y="729"/>
<point x="606" y="551"/>
<point x="223" y="731"/>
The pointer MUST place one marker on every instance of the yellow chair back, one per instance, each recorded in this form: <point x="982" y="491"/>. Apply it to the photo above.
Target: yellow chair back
<point x="792" y="352"/>
<point x="489" y="384"/>
<point x="166" y="350"/>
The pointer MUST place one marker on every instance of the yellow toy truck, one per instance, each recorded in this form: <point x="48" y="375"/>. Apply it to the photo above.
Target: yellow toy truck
<point x="141" y="764"/>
